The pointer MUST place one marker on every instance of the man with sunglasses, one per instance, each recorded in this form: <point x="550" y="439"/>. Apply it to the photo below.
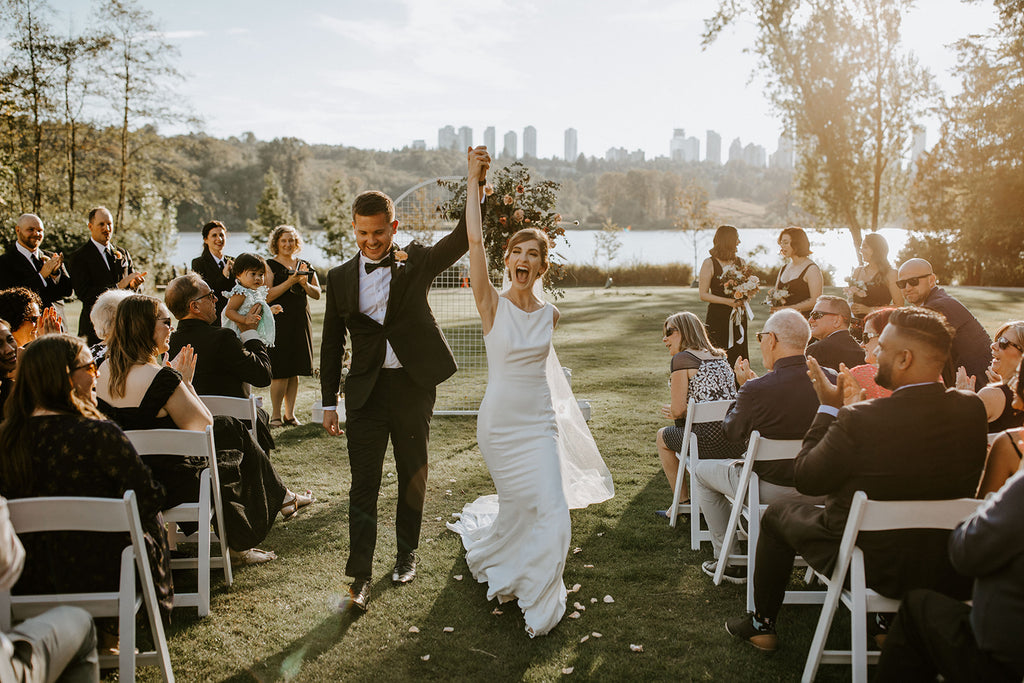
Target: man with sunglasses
<point x="971" y="344"/>
<point x="830" y="327"/>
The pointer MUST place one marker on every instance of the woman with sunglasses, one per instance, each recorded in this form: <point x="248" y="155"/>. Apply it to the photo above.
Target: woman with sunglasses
<point x="702" y="372"/>
<point x="1002" y="375"/>
<point x="800" y="277"/>
<point x="864" y="375"/>
<point x="1005" y="457"/>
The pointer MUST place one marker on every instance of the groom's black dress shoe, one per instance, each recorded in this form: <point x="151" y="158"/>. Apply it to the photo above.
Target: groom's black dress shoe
<point x="360" y="593"/>
<point x="405" y="568"/>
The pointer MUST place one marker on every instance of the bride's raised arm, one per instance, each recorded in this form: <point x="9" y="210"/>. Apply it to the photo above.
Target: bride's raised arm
<point x="484" y="293"/>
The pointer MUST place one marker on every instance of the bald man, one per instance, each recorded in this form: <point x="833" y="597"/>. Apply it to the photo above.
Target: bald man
<point x="26" y="265"/>
<point x="971" y="345"/>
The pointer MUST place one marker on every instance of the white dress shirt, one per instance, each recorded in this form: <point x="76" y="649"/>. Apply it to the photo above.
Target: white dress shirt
<point x="28" y="255"/>
<point x="374" y="290"/>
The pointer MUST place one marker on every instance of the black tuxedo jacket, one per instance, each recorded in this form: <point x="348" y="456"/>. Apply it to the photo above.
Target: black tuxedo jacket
<point x="17" y="271"/>
<point x="90" y="277"/>
<point x="223" y="362"/>
<point x="206" y="267"/>
<point x="922" y="443"/>
<point x="408" y="325"/>
<point x="838" y="347"/>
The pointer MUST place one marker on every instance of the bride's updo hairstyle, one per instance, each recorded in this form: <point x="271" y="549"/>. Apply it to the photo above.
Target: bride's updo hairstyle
<point x="525" y="235"/>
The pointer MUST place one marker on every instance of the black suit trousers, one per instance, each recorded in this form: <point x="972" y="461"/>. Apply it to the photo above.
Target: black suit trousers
<point x="398" y="409"/>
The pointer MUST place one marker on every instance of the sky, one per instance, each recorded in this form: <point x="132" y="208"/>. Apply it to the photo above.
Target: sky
<point x="378" y="74"/>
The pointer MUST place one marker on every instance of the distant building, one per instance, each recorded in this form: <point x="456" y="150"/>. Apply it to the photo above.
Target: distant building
<point x="676" y="144"/>
<point x="636" y="156"/>
<point x="783" y="158"/>
<point x="754" y="155"/>
<point x="570" y="144"/>
<point x="713" y="148"/>
<point x="616" y="154"/>
<point x="511" y="150"/>
<point x="920" y="142"/>
<point x="446" y="138"/>
<point x="530" y="142"/>
<point x="691" y="149"/>
<point x="465" y="138"/>
<point x="419" y="144"/>
<point x="489" y="139"/>
<point x="736" y="150"/>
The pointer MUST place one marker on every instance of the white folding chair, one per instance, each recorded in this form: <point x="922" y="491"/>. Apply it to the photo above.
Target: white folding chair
<point x="232" y="406"/>
<point x="31" y="515"/>
<point x="696" y="413"/>
<point x="871" y="515"/>
<point x="748" y="499"/>
<point x="178" y="443"/>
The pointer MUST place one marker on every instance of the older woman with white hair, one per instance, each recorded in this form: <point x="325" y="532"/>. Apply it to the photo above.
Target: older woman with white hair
<point x="102" y="317"/>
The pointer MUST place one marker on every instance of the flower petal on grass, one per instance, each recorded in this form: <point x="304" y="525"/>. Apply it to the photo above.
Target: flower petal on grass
<point x="567" y="670"/>
<point x="448" y="629"/>
<point x="609" y="599"/>
<point x="577" y="550"/>
<point x="496" y="612"/>
<point x="457" y="577"/>
<point x="588" y="566"/>
<point x="595" y="634"/>
<point x="636" y="648"/>
<point x="413" y="629"/>
<point x="593" y="600"/>
<point x="575" y="587"/>
<point x="579" y="607"/>
<point x="425" y="658"/>
<point x="574" y="615"/>
<point x="584" y="639"/>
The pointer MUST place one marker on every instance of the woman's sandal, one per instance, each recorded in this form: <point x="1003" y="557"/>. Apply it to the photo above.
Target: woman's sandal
<point x="276" y="423"/>
<point x="252" y="556"/>
<point x="292" y="422"/>
<point x="291" y="506"/>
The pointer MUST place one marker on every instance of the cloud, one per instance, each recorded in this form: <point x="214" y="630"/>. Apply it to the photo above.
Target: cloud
<point x="237" y="31"/>
<point x="182" y="35"/>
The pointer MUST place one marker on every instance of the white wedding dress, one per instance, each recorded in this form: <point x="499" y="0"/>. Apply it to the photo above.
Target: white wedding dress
<point x="517" y="541"/>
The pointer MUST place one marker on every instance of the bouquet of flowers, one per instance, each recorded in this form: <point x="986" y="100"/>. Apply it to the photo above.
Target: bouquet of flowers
<point x="855" y="288"/>
<point x="739" y="282"/>
<point x="776" y="297"/>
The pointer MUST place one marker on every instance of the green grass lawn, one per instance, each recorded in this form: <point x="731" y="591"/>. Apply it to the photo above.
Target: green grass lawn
<point x="278" y="620"/>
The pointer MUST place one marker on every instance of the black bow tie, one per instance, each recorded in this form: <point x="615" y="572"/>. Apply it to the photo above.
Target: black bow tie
<point x="386" y="261"/>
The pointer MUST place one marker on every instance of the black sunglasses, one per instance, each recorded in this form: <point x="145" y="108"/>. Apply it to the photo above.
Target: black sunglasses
<point x="1003" y="343"/>
<point x="912" y="281"/>
<point x="818" y="315"/>
<point x="669" y="331"/>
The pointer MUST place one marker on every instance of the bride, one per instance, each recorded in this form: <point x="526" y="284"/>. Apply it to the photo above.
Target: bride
<point x="539" y="452"/>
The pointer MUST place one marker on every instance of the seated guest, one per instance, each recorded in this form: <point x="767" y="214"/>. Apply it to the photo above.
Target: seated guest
<point x="1002" y="374"/>
<point x="137" y="392"/>
<point x="8" y="361"/>
<point x="925" y="442"/>
<point x="56" y="443"/>
<point x="934" y="634"/>
<point x="862" y="377"/>
<point x="917" y="281"/>
<point x="779" y="405"/>
<point x="59" y="644"/>
<point x="21" y="308"/>
<point x="830" y="327"/>
<point x="102" y="316"/>
<point x="699" y="372"/>
<point x="1005" y="455"/>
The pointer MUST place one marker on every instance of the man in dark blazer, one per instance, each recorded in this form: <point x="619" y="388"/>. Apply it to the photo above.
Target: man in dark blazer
<point x="214" y="266"/>
<point x="25" y="264"/>
<point x="97" y="266"/>
<point x="925" y="442"/>
<point x="399" y="356"/>
<point x="830" y="327"/>
<point x="971" y="345"/>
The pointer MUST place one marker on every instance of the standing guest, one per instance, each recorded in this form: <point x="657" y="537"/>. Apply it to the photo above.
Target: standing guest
<point x="830" y="327"/>
<point x="800" y="277"/>
<point x="700" y="372"/>
<point x="56" y="443"/>
<point x="779" y="405"/>
<point x="97" y="266"/>
<point x="721" y="305"/>
<point x="59" y="644"/>
<point x="102" y="316"/>
<point x="26" y="265"/>
<point x="399" y="356"/>
<point x="917" y="281"/>
<point x="8" y="362"/>
<point x="934" y="634"/>
<point x="878" y="277"/>
<point x="925" y="442"/>
<point x="862" y="377"/>
<point x="1002" y="374"/>
<point x="294" y="283"/>
<point x="1005" y="456"/>
<point x="213" y="265"/>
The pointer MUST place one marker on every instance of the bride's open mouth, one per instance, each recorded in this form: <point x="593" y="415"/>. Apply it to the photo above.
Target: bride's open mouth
<point x="522" y="275"/>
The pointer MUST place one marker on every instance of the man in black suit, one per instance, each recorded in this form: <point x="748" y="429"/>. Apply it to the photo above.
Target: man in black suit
<point x="25" y="264"/>
<point x="779" y="405"/>
<point x="971" y="345"/>
<point x="97" y="266"/>
<point x="399" y="356"/>
<point x="925" y="442"/>
<point x="214" y="266"/>
<point x="830" y="326"/>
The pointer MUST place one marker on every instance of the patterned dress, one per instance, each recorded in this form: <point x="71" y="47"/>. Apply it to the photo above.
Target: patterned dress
<point x="714" y="381"/>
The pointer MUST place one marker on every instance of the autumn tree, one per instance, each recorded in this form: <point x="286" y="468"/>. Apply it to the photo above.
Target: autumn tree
<point x="337" y="239"/>
<point x="847" y="92"/>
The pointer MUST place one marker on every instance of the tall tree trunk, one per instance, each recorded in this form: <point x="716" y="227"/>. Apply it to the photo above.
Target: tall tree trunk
<point x="122" y="183"/>
<point x="37" y="127"/>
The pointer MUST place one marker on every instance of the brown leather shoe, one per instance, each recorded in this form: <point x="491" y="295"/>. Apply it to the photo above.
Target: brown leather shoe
<point x="405" y="569"/>
<point x="359" y="592"/>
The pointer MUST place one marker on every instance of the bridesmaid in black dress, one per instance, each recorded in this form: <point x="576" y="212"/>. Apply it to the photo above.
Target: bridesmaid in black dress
<point x="801" y="277"/>
<point x="294" y="282"/>
<point x="878" y="276"/>
<point x="712" y="290"/>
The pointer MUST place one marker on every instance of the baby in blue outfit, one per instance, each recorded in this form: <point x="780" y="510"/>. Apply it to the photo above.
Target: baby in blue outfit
<point x="250" y="271"/>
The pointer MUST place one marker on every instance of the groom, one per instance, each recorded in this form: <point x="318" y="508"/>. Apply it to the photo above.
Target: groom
<point x="399" y="356"/>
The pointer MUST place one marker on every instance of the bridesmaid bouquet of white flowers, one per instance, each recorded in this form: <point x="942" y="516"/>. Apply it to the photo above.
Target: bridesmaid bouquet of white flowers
<point x="776" y="297"/>
<point x="739" y="282"/>
<point x="855" y="288"/>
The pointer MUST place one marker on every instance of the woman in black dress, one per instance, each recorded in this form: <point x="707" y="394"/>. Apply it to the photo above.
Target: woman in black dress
<point x="720" y="305"/>
<point x="878" y="277"/>
<point x="292" y="354"/>
<point x="800" y="277"/>
<point x="56" y="443"/>
<point x="213" y="266"/>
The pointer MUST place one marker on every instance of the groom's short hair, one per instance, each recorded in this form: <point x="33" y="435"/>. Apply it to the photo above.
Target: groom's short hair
<point x="373" y="203"/>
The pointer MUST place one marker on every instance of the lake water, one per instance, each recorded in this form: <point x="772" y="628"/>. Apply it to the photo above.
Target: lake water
<point x="832" y="248"/>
